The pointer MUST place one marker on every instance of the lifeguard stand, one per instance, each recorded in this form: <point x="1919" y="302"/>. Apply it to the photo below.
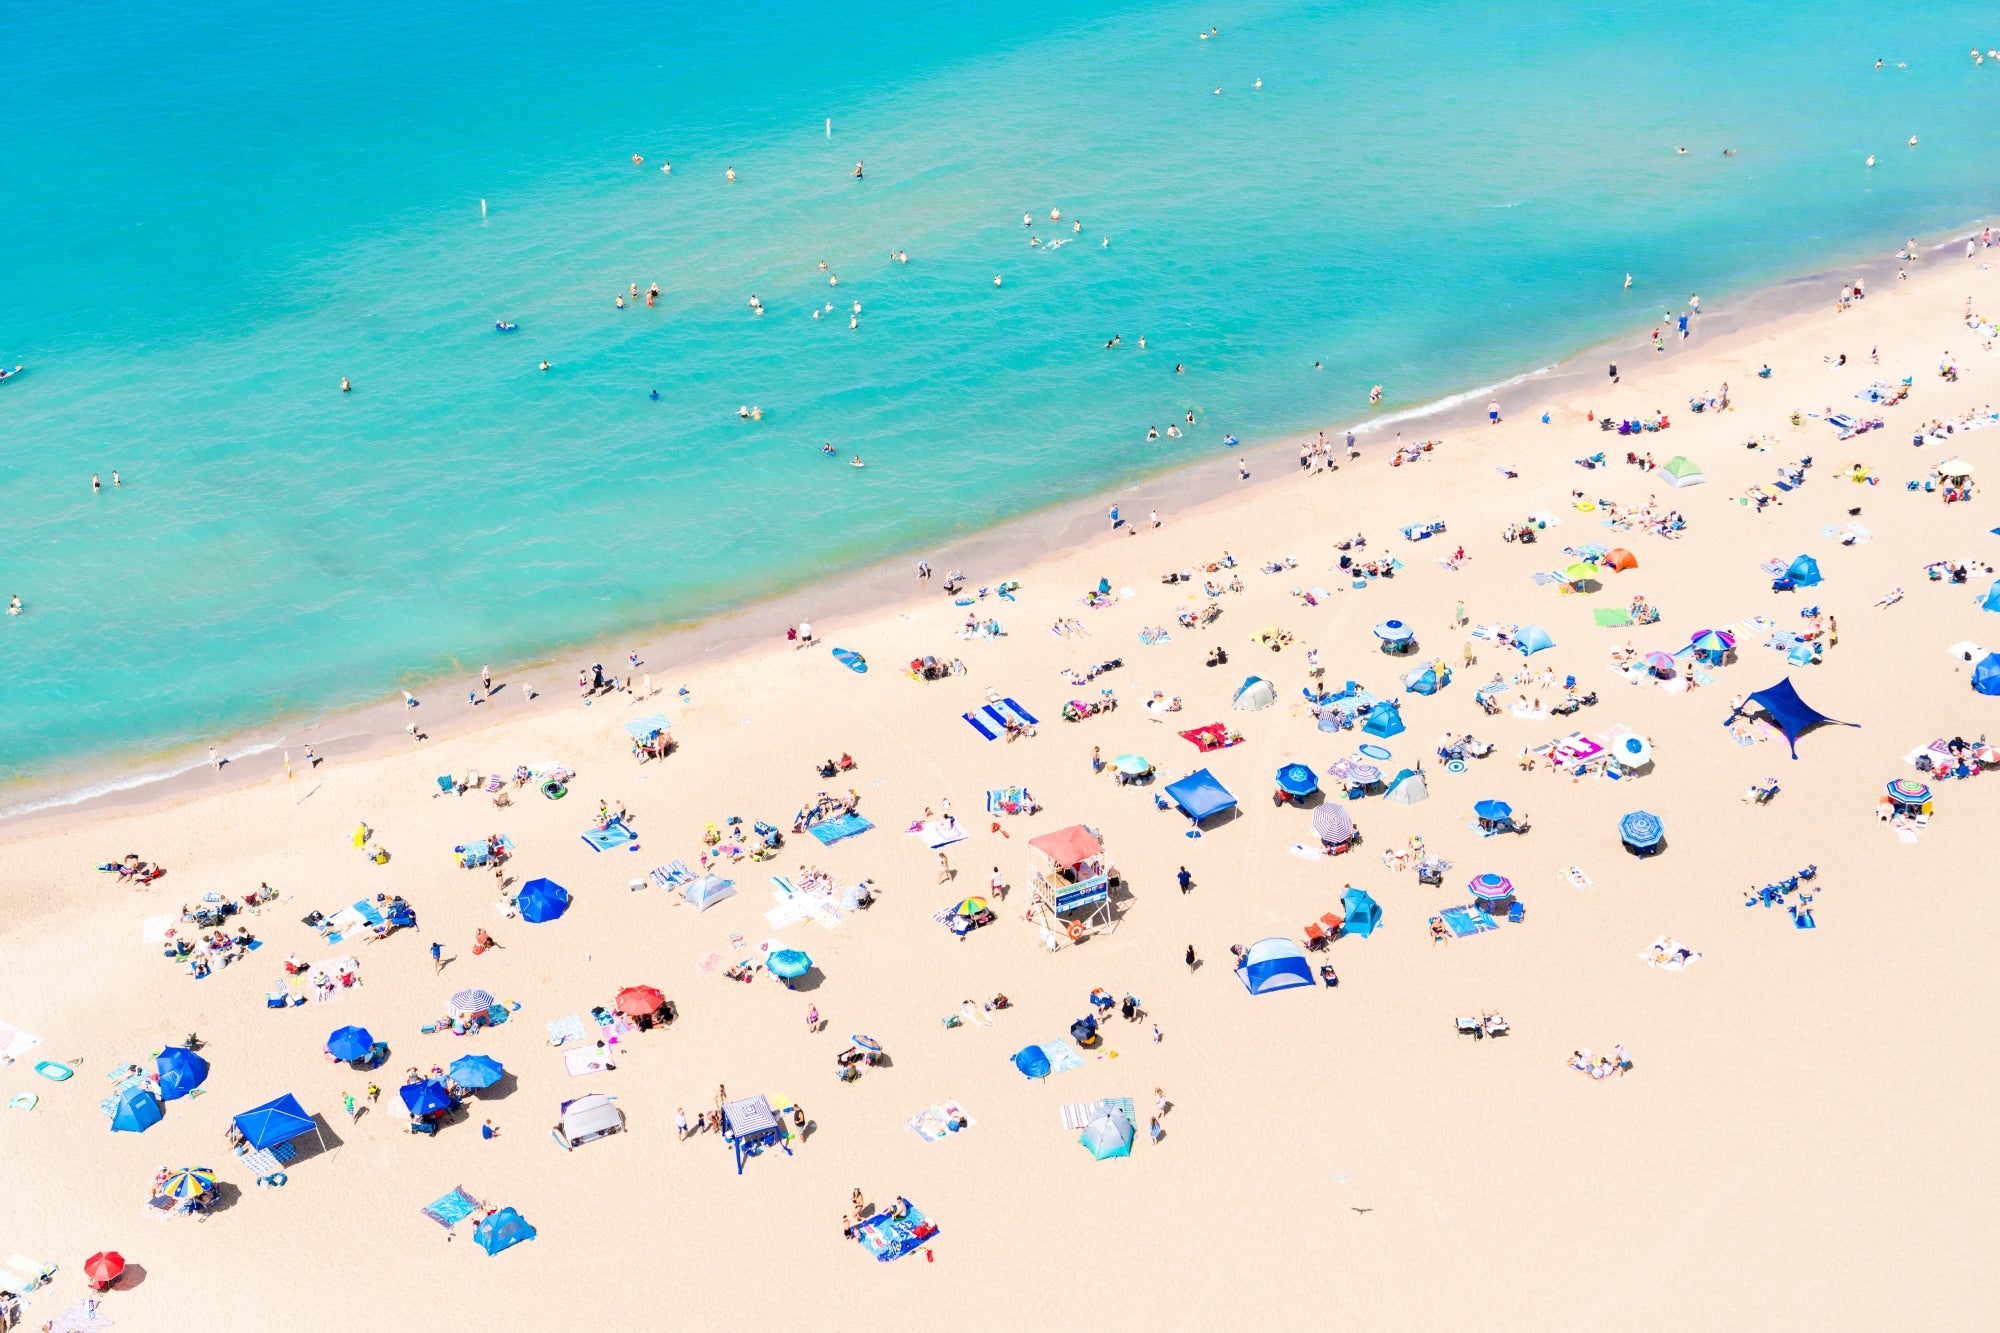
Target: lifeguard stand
<point x="1070" y="883"/>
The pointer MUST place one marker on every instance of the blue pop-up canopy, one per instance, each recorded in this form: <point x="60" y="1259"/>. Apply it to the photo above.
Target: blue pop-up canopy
<point x="1789" y="713"/>
<point x="542" y="900"/>
<point x="1200" y="796"/>
<point x="1986" y="676"/>
<point x="279" y="1120"/>
<point x="181" y="1071"/>
<point x="138" y="1110"/>
<point x="1273" y="965"/>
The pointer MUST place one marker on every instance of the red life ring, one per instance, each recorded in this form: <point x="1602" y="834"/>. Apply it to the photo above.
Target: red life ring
<point x="1076" y="930"/>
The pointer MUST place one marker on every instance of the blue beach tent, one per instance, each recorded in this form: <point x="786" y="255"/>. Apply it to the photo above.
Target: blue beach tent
<point x="1200" y="796"/>
<point x="1032" y="1061"/>
<point x="503" y="1230"/>
<point x="1384" y="720"/>
<point x="1788" y="713"/>
<point x="1803" y="571"/>
<point x="138" y="1110"/>
<point x="181" y="1071"/>
<point x="1986" y="676"/>
<point x="1532" y="640"/>
<point x="1363" y="913"/>
<point x="1991" y="601"/>
<point x="1273" y="965"/>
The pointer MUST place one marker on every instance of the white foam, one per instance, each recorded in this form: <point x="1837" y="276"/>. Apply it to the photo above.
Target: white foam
<point x="127" y="783"/>
<point x="1449" y="401"/>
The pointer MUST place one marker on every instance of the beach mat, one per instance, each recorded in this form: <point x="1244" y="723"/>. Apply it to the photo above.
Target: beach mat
<point x="1464" y="921"/>
<point x="889" y="1240"/>
<point x="830" y="831"/>
<point x="565" y="1029"/>
<point x="1062" y="1056"/>
<point x="940" y="833"/>
<point x="452" y="1209"/>
<point x="1611" y="617"/>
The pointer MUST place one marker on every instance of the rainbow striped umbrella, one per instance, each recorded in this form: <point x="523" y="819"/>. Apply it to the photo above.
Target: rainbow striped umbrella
<point x="1909" y="793"/>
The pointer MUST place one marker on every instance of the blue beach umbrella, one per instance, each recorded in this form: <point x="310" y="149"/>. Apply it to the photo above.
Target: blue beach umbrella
<point x="424" y="1098"/>
<point x="350" y="1043"/>
<point x="1394" y="631"/>
<point x="181" y="1072"/>
<point x="476" y="1071"/>
<point x="1297" y="780"/>
<point x="1640" y="829"/>
<point x="1492" y="810"/>
<point x="789" y="963"/>
<point x="542" y="900"/>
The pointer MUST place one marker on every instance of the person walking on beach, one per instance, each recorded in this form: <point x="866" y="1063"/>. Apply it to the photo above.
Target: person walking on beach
<point x="1114" y="518"/>
<point x="1190" y="960"/>
<point x="437" y="958"/>
<point x="945" y="871"/>
<point x="998" y="888"/>
<point x="1186" y="883"/>
<point x="1614" y="372"/>
<point x="812" y="1019"/>
<point x="681" y="1122"/>
<point x="353" y="1108"/>
<point x="923" y="571"/>
<point x="1493" y="412"/>
<point x="1242" y="470"/>
<point x="486" y="680"/>
<point x="214" y="759"/>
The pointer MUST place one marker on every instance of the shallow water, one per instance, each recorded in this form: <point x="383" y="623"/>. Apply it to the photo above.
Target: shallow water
<point x="212" y="216"/>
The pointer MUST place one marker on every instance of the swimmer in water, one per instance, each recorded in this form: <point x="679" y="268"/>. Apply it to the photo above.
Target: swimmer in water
<point x="1152" y="433"/>
<point x="637" y="160"/>
<point x="114" y="478"/>
<point x="1682" y="151"/>
<point x="345" y="387"/>
<point x="854" y="321"/>
<point x="1729" y="152"/>
<point x="815" y="312"/>
<point x="857" y="171"/>
<point x="1027" y="219"/>
<point x="1871" y="160"/>
<point x="544" y="365"/>
<point x="1316" y="365"/>
<point x="619" y="300"/>
<point x="826" y="448"/>
<point x="1107" y="243"/>
<point x="14" y="605"/>
<point x="1913" y="141"/>
<point x="1173" y="431"/>
<point x="1628" y="282"/>
<point x="1258" y="84"/>
<point x="1179" y="369"/>
<point x="1113" y="341"/>
<point x="743" y="412"/>
<point x="833" y="279"/>
<point x="857" y="307"/>
<point x="1190" y="416"/>
<point x="856" y="461"/>
<point x="730" y="175"/>
<point x="667" y="167"/>
<point x="656" y="395"/>
<point x="1142" y="342"/>
<point x="996" y="279"/>
<point x="95" y="484"/>
<point x="1055" y="215"/>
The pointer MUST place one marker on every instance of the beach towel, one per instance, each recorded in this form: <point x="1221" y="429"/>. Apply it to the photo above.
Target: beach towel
<point x="889" y="1240"/>
<point x="1773" y="567"/>
<point x="153" y="930"/>
<point x="591" y="1061"/>
<point x="1213" y="736"/>
<point x="1124" y="1106"/>
<point x="1154" y="636"/>
<point x="934" y="1122"/>
<point x="1610" y="617"/>
<point x="672" y="874"/>
<point x="1006" y="800"/>
<point x="788" y="912"/>
<point x="80" y="1318"/>
<point x="1574" y="876"/>
<point x="566" y="1029"/>
<point x="940" y="833"/>
<point x="1075" y="1115"/>
<point x="452" y="1209"/>
<point x="982" y="726"/>
<point x="15" y="1043"/>
<point x="1062" y="1056"/>
<point x="830" y="831"/>
<point x="1470" y="920"/>
<point x="612" y="835"/>
<point x="267" y="1160"/>
<point x="1665" y="952"/>
<point x="1306" y="852"/>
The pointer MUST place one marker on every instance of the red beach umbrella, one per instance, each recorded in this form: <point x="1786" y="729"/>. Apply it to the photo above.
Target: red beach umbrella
<point x="103" y="1268"/>
<point x="639" y="1001"/>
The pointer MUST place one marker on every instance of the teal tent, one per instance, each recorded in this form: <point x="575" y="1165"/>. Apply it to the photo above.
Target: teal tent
<point x="502" y="1230"/>
<point x="1108" y="1135"/>
<point x="1363" y="913"/>
<point x="1384" y="720"/>
<point x="1803" y="571"/>
<point x="1991" y="601"/>
<point x="137" y="1111"/>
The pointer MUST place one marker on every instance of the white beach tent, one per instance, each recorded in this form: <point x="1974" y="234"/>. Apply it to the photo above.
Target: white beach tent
<point x="1256" y="693"/>
<point x="1407" y="788"/>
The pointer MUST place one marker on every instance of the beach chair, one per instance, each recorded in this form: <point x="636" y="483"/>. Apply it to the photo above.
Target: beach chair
<point x="1515" y="913"/>
<point x="446" y="786"/>
<point x="1470" y="1027"/>
<point x="1315" y="937"/>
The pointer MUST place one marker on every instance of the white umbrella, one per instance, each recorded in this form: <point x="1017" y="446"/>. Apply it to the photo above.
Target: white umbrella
<point x="1954" y="467"/>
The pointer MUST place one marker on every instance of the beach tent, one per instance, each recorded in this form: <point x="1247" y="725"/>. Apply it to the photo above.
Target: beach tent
<point x="1991" y="601"/>
<point x="750" y="1125"/>
<point x="1422" y="681"/>
<point x="1803" y="571"/>
<point x="1254" y="694"/>
<point x="279" y="1120"/>
<point x="137" y="1111"/>
<point x="1200" y="796"/>
<point x="502" y="1230"/>
<point x="181" y="1071"/>
<point x="1788" y="713"/>
<point x="542" y="900"/>
<point x="1109" y="1134"/>
<point x="1681" y="471"/>
<point x="1407" y="788"/>
<point x="1986" y="676"/>
<point x="707" y="890"/>
<point x="1618" y="558"/>
<point x="1532" y="640"/>
<point x="1384" y="720"/>
<point x="1032" y="1061"/>
<point x="1272" y="965"/>
<point x="1363" y="913"/>
<point x="589" y="1117"/>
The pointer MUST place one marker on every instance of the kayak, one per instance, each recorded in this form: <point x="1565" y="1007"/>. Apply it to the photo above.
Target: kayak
<point x="850" y="659"/>
<point x="10" y="374"/>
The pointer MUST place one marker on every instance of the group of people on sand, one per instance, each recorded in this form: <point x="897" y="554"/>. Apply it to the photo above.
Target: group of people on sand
<point x="1615" y="1064"/>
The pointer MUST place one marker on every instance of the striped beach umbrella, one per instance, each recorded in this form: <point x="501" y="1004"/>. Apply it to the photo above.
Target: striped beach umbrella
<point x="1333" y="823"/>
<point x="1364" y="774"/>
<point x="1661" y="664"/>
<point x="1713" y="641"/>
<point x="188" y="1183"/>
<point x="969" y="907"/>
<point x="1641" y="829"/>
<point x="469" y="1004"/>
<point x="1491" y="888"/>
<point x="1394" y="631"/>
<point x="1904" y="792"/>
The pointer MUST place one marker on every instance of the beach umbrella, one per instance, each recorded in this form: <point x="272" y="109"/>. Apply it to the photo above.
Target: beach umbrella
<point x="1108" y="1135"/>
<point x="469" y="1004"/>
<point x="969" y="907"/>
<point x="187" y="1183"/>
<point x="1492" y="888"/>
<point x="1366" y="775"/>
<point x="1333" y="823"/>
<point x="425" y="1098"/>
<point x="181" y="1071"/>
<point x="1909" y="793"/>
<point x="1032" y="1061"/>
<point x="867" y="1043"/>
<point x="1492" y="810"/>
<point x="542" y="900"/>
<point x="1713" y="641"/>
<point x="639" y="1001"/>
<point x="1640" y="829"/>
<point x="475" y="1071"/>
<point x="1986" y="754"/>
<point x="103" y="1268"/>
<point x="789" y="963"/>
<point x="1631" y="750"/>
<point x="1954" y="467"/>
<point x="350" y="1043"/>
<point x="1394" y="631"/>
<point x="1297" y="780"/>
<point x="1580" y="572"/>
<point x="1135" y="764"/>
<point x="1659" y="663"/>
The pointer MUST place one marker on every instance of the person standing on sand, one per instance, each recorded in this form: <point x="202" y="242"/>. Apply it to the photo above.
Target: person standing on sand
<point x="486" y="680"/>
<point x="437" y="958"/>
<point x="214" y="759"/>
<point x="944" y="869"/>
<point x="998" y="888"/>
<point x="812" y="1019"/>
<point x="681" y="1122"/>
<point x="1190" y="959"/>
<point x="1832" y="631"/>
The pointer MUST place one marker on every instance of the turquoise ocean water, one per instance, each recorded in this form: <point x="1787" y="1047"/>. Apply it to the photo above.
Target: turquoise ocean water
<point x="211" y="213"/>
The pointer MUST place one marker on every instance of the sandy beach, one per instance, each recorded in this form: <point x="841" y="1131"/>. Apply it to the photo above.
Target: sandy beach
<point x="1793" y="1144"/>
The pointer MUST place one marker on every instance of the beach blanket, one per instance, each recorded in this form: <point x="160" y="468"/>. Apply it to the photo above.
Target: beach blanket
<point x="83" y="1317"/>
<point x="830" y="831"/>
<point x="1773" y="567"/>
<point x="672" y="875"/>
<point x="1075" y="1115"/>
<point x="1468" y="920"/>
<point x="709" y="962"/>
<point x="565" y="1029"/>
<point x="154" y="929"/>
<point x="1154" y="636"/>
<point x="1668" y="953"/>
<point x="337" y="926"/>
<point x="940" y="832"/>
<point x="266" y="1161"/>
<point x="1062" y="1056"/>
<point x="615" y="834"/>
<point x="1306" y="852"/>
<point x="15" y="1043"/>
<point x="452" y="1209"/>
<point x="1611" y="617"/>
<point x="1213" y="736"/>
<point x="591" y="1061"/>
<point x="1006" y="800"/>
<point x="889" y="1240"/>
<point x="935" y="1122"/>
